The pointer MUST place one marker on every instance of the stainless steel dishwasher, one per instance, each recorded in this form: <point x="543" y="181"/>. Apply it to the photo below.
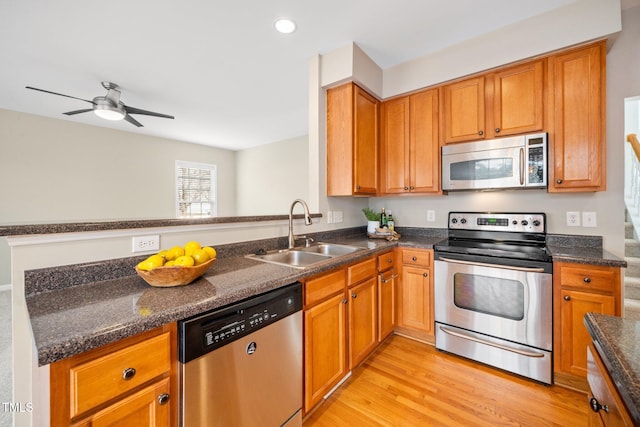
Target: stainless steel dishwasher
<point x="241" y="365"/>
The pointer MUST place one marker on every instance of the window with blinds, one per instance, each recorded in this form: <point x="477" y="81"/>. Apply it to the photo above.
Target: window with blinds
<point x="196" y="190"/>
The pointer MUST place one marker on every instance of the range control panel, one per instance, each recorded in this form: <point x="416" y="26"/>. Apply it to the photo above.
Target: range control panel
<point x="492" y="221"/>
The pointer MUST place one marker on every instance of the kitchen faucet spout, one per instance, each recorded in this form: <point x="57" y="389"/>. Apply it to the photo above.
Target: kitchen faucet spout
<point x="307" y="220"/>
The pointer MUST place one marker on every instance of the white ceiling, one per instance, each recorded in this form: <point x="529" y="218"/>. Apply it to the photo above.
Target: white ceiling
<point x="219" y="67"/>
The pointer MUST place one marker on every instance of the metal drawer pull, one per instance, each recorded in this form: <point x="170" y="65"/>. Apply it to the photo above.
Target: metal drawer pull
<point x="414" y="258"/>
<point x="128" y="373"/>
<point x="567" y="298"/>
<point x="587" y="280"/>
<point x="492" y="344"/>
<point x="482" y="264"/>
<point x="354" y="295"/>
<point x="596" y="406"/>
<point x="163" y="399"/>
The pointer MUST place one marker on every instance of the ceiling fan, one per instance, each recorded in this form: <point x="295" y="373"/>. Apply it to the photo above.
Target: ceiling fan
<point x="109" y="106"/>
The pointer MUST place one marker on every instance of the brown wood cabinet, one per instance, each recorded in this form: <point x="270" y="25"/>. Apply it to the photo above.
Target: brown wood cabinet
<point x="505" y="102"/>
<point x="578" y="289"/>
<point x="577" y="107"/>
<point x="352" y="141"/>
<point x="415" y="294"/>
<point x="409" y="144"/>
<point x="607" y="407"/>
<point x="387" y="282"/>
<point x="132" y="382"/>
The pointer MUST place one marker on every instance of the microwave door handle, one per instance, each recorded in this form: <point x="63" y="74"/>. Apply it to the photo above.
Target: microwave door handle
<point x="484" y="264"/>
<point x="521" y="166"/>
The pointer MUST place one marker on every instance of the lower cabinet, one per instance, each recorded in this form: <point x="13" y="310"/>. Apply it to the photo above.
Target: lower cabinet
<point x="607" y="408"/>
<point x="363" y="319"/>
<point x="415" y="294"/>
<point x="579" y="289"/>
<point x="132" y="382"/>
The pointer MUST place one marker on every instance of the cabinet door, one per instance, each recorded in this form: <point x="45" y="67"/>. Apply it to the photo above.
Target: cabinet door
<point x="572" y="349"/>
<point x="325" y="348"/>
<point x="365" y="145"/>
<point x="394" y="146"/>
<point x="518" y="99"/>
<point x="464" y="110"/>
<point x="340" y="140"/>
<point x="578" y="86"/>
<point x="147" y="408"/>
<point x="363" y="320"/>
<point x="386" y="303"/>
<point x="415" y="300"/>
<point x="424" y="156"/>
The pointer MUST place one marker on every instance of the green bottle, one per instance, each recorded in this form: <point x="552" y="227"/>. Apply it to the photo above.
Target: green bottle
<point x="383" y="219"/>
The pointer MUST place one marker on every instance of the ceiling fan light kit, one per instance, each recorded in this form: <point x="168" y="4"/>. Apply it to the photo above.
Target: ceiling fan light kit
<point x="109" y="107"/>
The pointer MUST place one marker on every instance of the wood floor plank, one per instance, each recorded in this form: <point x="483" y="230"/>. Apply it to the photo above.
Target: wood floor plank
<point x="408" y="383"/>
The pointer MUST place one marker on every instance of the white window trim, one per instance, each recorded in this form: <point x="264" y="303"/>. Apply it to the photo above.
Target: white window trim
<point x="214" y="186"/>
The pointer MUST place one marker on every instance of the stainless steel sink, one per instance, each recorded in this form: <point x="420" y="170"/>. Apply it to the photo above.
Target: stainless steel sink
<point x="331" y="249"/>
<point x="304" y="257"/>
<point x="292" y="258"/>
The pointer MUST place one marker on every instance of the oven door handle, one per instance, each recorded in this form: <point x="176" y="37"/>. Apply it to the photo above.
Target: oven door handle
<point x="492" y="344"/>
<point x="522" y="166"/>
<point x="483" y="264"/>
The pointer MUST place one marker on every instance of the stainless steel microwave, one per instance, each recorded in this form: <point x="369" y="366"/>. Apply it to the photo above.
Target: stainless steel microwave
<point x="512" y="162"/>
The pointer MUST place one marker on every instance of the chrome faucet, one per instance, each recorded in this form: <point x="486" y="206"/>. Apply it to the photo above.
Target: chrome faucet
<point x="307" y="220"/>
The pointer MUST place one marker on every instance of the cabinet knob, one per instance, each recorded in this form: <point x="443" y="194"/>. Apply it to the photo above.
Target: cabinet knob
<point x="559" y="181"/>
<point x="163" y="399"/>
<point x="425" y="274"/>
<point x="357" y="187"/>
<point x="567" y="298"/>
<point x="128" y="373"/>
<point x="481" y="133"/>
<point x="497" y="130"/>
<point x="389" y="260"/>
<point x="414" y="258"/>
<point x="406" y="188"/>
<point x="344" y="301"/>
<point x="596" y="406"/>
<point x="587" y="280"/>
<point x="412" y="188"/>
<point x="354" y="295"/>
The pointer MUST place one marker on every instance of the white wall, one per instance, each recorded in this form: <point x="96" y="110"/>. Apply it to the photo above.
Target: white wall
<point x="269" y="177"/>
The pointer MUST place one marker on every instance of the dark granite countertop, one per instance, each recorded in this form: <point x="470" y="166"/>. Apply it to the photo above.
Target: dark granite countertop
<point x="581" y="250"/>
<point x="77" y="308"/>
<point x="618" y="343"/>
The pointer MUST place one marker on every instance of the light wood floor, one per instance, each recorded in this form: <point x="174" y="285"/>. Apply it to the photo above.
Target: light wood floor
<point x="407" y="383"/>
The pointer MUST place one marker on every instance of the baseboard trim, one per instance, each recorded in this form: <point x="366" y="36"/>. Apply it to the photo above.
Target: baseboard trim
<point x="5" y="287"/>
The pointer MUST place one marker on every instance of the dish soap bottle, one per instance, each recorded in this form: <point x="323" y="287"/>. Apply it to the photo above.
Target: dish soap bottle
<point x="383" y="219"/>
<point x="390" y="222"/>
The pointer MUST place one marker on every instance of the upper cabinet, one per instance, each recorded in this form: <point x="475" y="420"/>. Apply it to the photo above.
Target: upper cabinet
<point x="505" y="102"/>
<point x="352" y="142"/>
<point x="409" y="144"/>
<point x="577" y="109"/>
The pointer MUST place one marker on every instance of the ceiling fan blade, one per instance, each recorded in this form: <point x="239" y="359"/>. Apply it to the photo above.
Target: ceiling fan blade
<point x="59" y="94"/>
<point x="132" y="110"/>
<point x="71" y="113"/>
<point x="132" y="121"/>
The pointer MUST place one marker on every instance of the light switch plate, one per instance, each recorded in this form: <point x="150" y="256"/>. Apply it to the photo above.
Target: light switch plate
<point x="589" y="219"/>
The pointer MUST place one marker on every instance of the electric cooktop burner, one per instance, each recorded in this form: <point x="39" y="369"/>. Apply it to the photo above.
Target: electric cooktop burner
<point x="503" y="235"/>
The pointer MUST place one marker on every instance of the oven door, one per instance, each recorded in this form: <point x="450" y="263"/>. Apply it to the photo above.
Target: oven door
<point x="488" y="169"/>
<point x="510" y="302"/>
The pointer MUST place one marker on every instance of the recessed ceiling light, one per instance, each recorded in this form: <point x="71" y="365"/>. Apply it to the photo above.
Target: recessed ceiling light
<point x="285" y="25"/>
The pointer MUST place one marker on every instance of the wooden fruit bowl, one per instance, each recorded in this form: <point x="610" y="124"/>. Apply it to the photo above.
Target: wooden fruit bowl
<point x="174" y="275"/>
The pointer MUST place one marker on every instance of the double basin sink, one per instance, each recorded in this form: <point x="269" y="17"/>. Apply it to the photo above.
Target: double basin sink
<point x="306" y="256"/>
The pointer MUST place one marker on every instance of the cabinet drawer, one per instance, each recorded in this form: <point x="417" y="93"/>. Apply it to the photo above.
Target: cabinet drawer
<point x="102" y="379"/>
<point x="589" y="277"/>
<point x="416" y="257"/>
<point x="318" y="289"/>
<point x="361" y="271"/>
<point x="386" y="261"/>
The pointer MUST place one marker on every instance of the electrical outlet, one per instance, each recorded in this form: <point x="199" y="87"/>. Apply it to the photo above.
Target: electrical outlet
<point x="145" y="243"/>
<point x="573" y="219"/>
<point x="589" y="219"/>
<point x="329" y="217"/>
<point x="431" y="216"/>
<point x="337" y="216"/>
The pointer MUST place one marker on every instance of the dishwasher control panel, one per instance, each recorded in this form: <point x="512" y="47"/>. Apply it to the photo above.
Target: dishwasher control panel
<point x="209" y="331"/>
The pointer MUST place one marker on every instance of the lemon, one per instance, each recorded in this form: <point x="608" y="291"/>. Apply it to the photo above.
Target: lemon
<point x="164" y="254"/>
<point x="211" y="251"/>
<point x="174" y="253"/>
<point x="184" y="260"/>
<point x="200" y="256"/>
<point x="169" y="263"/>
<point x="152" y="262"/>
<point x="191" y="247"/>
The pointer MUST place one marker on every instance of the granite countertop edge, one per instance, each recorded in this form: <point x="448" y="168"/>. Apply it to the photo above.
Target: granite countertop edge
<point x="56" y="343"/>
<point x="620" y="355"/>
